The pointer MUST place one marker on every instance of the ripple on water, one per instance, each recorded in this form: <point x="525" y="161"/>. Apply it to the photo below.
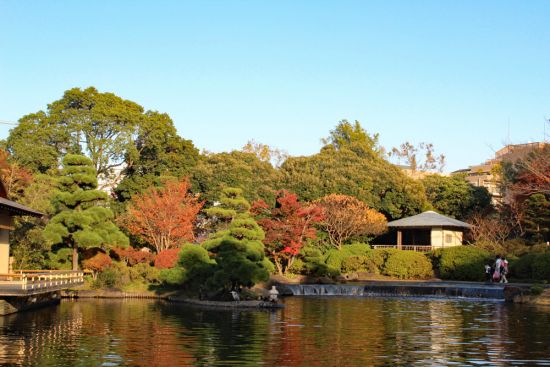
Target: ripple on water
<point x="308" y="332"/>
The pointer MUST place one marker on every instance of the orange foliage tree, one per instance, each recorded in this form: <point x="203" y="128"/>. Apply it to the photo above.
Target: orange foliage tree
<point x="286" y="227"/>
<point x="97" y="263"/>
<point x="347" y="217"/>
<point x="167" y="259"/>
<point x="163" y="217"/>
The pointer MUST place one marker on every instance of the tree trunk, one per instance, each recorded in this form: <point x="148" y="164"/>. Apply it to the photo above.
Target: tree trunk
<point x="75" y="256"/>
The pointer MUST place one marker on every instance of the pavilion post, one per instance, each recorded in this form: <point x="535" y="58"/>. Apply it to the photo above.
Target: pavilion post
<point x="399" y="239"/>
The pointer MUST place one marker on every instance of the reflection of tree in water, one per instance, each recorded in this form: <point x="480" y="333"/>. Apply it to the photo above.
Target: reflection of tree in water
<point x="308" y="332"/>
<point x="221" y="337"/>
<point x="333" y="332"/>
<point x="37" y="335"/>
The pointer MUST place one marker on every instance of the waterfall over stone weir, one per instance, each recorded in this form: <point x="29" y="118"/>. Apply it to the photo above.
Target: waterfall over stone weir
<point x="325" y="290"/>
<point x="398" y="289"/>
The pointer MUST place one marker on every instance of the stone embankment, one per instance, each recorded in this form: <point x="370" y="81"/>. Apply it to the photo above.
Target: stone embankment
<point x="170" y="297"/>
<point x="518" y="293"/>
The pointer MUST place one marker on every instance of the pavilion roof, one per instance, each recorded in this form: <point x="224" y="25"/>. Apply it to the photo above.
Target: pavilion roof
<point x="17" y="209"/>
<point x="428" y="219"/>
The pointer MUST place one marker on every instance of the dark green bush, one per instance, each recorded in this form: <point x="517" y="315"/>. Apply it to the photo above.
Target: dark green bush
<point x="145" y="273"/>
<point x="407" y="265"/>
<point x="115" y="276"/>
<point x="541" y="267"/>
<point x="335" y="257"/>
<point x="375" y="259"/>
<point x="353" y="264"/>
<point x="298" y="266"/>
<point x="462" y="262"/>
<point x="522" y="268"/>
<point x="173" y="276"/>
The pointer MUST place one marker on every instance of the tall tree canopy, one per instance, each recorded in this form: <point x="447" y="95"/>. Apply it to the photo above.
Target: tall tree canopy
<point x="159" y="153"/>
<point x="455" y="197"/>
<point x="346" y="134"/>
<point x="353" y="171"/>
<point x="81" y="219"/>
<point x="214" y="172"/>
<point x="106" y="128"/>
<point x="163" y="217"/>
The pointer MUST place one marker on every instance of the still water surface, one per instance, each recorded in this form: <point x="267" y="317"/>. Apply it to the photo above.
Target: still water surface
<point x="308" y="332"/>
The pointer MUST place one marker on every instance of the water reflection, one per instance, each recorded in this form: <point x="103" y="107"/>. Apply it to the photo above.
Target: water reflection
<point x="308" y="332"/>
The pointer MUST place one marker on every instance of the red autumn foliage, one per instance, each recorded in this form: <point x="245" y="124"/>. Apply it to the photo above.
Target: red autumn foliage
<point x="167" y="259"/>
<point x="287" y="226"/>
<point x="164" y="217"/>
<point x="14" y="177"/>
<point x="96" y="263"/>
<point x="132" y="256"/>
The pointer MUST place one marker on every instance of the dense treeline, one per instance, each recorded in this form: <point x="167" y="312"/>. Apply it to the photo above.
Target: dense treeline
<point x="237" y="216"/>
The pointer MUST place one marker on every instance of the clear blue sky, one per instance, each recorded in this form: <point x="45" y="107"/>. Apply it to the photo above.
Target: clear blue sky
<point x="455" y="73"/>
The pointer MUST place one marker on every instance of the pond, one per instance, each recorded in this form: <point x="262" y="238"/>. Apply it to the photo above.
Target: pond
<point x="332" y="331"/>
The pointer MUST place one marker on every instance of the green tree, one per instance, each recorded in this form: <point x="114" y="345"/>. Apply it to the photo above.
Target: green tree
<point x="159" y="153"/>
<point x="214" y="172"/>
<point x="81" y="219"/>
<point x="456" y="197"/>
<point x="536" y="218"/>
<point x="346" y="134"/>
<point x="237" y="246"/>
<point x="356" y="171"/>
<point x="118" y="136"/>
<point x="27" y="242"/>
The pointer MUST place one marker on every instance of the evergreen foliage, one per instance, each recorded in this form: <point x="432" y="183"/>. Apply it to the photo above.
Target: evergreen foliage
<point x="354" y="168"/>
<point x="237" y="249"/>
<point x="81" y="219"/>
<point x="214" y="172"/>
<point x="462" y="262"/>
<point x="455" y="197"/>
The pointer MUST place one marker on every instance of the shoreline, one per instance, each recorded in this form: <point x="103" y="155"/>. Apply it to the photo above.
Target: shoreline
<point x="472" y="291"/>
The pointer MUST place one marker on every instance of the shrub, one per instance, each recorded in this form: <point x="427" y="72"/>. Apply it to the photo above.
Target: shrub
<point x="462" y="262"/>
<point x="174" y="276"/>
<point x="334" y="258"/>
<point x="115" y="276"/>
<point x="515" y="247"/>
<point x="352" y="264"/>
<point x="522" y="268"/>
<point x="379" y="256"/>
<point x="298" y="266"/>
<point x="407" y="264"/>
<point x="541" y="267"/>
<point x="145" y="273"/>
<point x="167" y="259"/>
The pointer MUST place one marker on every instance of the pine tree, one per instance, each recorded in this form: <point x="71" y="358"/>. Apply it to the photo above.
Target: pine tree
<point x="81" y="219"/>
<point x="237" y="247"/>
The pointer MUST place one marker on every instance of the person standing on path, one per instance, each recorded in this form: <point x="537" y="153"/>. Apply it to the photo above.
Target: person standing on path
<point x="503" y="270"/>
<point x="496" y="274"/>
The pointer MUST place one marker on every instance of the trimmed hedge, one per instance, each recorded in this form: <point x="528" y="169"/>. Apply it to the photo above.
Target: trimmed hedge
<point x="335" y="257"/>
<point x="531" y="266"/>
<point x="462" y="262"/>
<point x="407" y="265"/>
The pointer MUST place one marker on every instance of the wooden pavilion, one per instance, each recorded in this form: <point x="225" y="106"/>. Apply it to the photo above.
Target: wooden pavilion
<point x="23" y="289"/>
<point x="425" y="232"/>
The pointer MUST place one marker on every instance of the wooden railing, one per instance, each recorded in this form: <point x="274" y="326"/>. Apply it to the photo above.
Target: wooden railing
<point x="417" y="248"/>
<point x="38" y="281"/>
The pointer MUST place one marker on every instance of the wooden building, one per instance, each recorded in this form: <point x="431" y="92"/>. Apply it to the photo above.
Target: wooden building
<point x="23" y="289"/>
<point x="425" y="232"/>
